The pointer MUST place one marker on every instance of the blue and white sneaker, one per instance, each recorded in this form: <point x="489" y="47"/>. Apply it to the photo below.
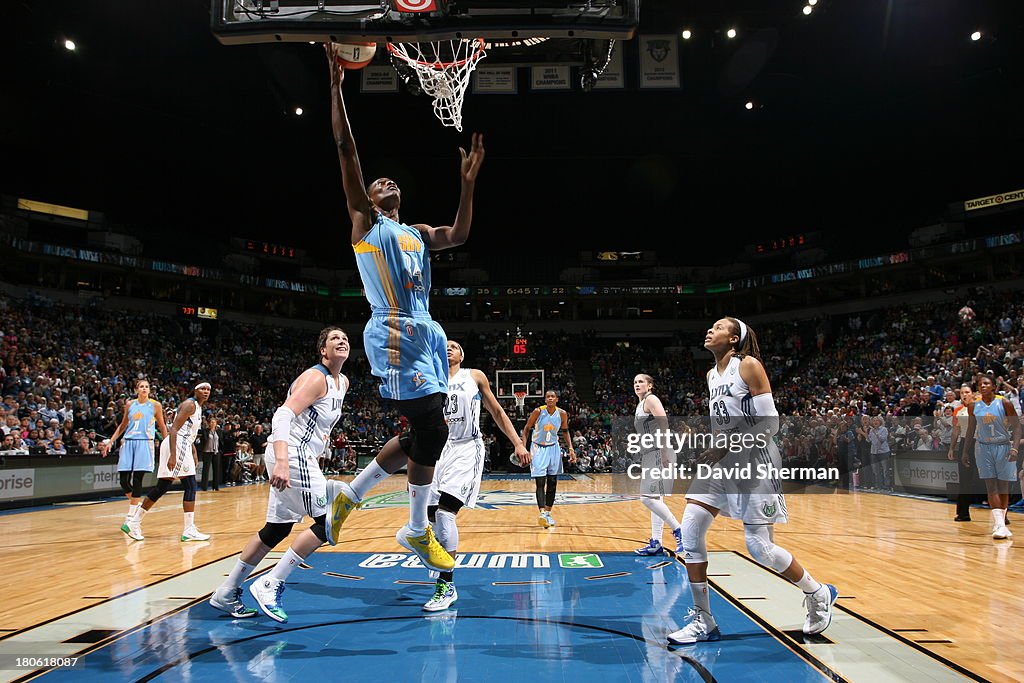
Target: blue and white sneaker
<point x="267" y="591"/>
<point x="232" y="603"/>
<point x="701" y="627"/>
<point x="819" y="608"/>
<point x="678" y="535"/>
<point x="444" y="595"/>
<point x="653" y="547"/>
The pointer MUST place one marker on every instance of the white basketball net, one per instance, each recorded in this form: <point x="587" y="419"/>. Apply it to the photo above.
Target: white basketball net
<point x="443" y="69"/>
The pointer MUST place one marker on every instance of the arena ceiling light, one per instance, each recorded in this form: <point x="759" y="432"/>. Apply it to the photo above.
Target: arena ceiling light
<point x="976" y="36"/>
<point x="749" y="105"/>
<point x="731" y="33"/>
<point x="70" y="45"/>
<point x="687" y="34"/>
<point x="298" y="111"/>
<point x="812" y="3"/>
<point x="808" y="9"/>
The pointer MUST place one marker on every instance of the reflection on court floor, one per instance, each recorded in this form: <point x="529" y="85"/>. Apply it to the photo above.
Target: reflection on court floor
<point x="539" y="617"/>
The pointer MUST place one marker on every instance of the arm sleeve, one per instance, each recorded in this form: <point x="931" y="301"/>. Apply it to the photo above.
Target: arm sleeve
<point x="281" y="424"/>
<point x="765" y="419"/>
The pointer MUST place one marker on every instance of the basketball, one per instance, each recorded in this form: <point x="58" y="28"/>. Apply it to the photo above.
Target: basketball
<point x="353" y="56"/>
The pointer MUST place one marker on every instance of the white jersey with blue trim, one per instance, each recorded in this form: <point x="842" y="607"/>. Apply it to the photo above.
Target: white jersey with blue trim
<point x="188" y="431"/>
<point x="311" y="429"/>
<point x="462" y="407"/>
<point x="729" y="398"/>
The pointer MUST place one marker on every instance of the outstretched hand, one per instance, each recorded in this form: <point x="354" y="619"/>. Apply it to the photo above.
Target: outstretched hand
<point x="471" y="162"/>
<point x="337" y="70"/>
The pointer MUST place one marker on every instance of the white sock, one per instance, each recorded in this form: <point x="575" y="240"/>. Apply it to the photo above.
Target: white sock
<point x="371" y="475"/>
<point x="658" y="508"/>
<point x="239" y="574"/>
<point x="190" y="520"/>
<point x="807" y="583"/>
<point x="702" y="598"/>
<point x="998" y="517"/>
<point x="140" y="512"/>
<point x="132" y="509"/>
<point x="285" y="565"/>
<point x="657" y="527"/>
<point x="419" y="496"/>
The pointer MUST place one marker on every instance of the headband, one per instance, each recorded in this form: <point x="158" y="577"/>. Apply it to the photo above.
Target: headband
<point x="201" y="385"/>
<point x="743" y="330"/>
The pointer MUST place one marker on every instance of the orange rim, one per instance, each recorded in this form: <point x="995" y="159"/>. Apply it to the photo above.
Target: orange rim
<point x="440" y="66"/>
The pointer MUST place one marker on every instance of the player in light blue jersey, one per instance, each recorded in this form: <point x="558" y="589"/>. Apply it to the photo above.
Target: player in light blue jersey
<point x="547" y="422"/>
<point x="405" y="347"/>
<point x="136" y="455"/>
<point x="993" y="421"/>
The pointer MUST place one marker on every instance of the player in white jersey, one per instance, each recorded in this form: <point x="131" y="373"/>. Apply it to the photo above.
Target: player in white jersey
<point x="650" y="416"/>
<point x="457" y="475"/>
<point x="741" y="403"/>
<point x="301" y="432"/>
<point x="178" y="461"/>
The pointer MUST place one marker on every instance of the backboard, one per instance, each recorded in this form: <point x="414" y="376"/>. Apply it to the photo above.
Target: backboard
<point x="399" y="21"/>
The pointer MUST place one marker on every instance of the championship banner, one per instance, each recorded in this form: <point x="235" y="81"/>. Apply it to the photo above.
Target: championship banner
<point x="551" y="77"/>
<point x="415" y="6"/>
<point x="659" y="61"/>
<point x="994" y="200"/>
<point x="378" y="79"/>
<point x="612" y="78"/>
<point x="495" y="80"/>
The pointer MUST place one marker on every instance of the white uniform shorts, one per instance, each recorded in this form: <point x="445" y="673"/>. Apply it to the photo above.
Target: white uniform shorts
<point x="307" y="494"/>
<point x="752" y="502"/>
<point x="184" y="466"/>
<point x="458" y="471"/>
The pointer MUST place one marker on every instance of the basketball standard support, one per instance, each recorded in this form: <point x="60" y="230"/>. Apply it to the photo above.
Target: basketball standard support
<point x="271" y="21"/>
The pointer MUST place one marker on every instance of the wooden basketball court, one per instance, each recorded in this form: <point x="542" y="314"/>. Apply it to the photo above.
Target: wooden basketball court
<point x="918" y="582"/>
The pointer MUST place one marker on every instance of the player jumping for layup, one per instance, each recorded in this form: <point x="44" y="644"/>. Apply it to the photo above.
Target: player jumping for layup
<point x="405" y="347"/>
<point x="178" y="461"/>
<point x="741" y="403"/>
<point x="457" y="475"/>
<point x="546" y="422"/>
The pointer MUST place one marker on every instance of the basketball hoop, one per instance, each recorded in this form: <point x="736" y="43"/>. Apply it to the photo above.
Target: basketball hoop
<point x="443" y="69"/>
<point x="520" y="397"/>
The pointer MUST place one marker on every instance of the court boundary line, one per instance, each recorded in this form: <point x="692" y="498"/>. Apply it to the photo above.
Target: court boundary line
<point x="960" y="669"/>
<point x="93" y="647"/>
<point x="5" y="636"/>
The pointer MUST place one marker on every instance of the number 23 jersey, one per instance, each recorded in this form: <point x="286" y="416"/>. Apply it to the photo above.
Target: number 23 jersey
<point x="729" y="399"/>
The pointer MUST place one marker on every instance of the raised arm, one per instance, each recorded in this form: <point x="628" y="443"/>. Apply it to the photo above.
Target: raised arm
<point x="500" y="417"/>
<point x="446" y="237"/>
<point x="360" y="209"/>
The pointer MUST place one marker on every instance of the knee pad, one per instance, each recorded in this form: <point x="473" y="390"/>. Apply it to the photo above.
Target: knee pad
<point x="695" y="525"/>
<point x="125" y="479"/>
<point x="449" y="503"/>
<point x="446" y="531"/>
<point x="189" y="483"/>
<point x="162" y="487"/>
<point x="273" y="533"/>
<point x="318" y="528"/>
<point x="137" y="478"/>
<point x="763" y="550"/>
